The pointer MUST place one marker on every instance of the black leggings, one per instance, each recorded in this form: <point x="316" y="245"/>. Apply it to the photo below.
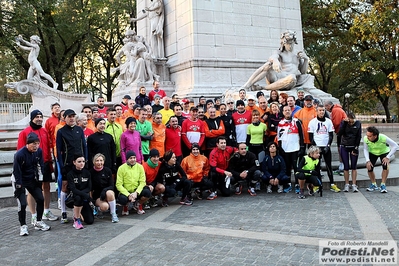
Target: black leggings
<point x="346" y="154"/>
<point x="35" y="190"/>
<point x="184" y="185"/>
<point x="87" y="211"/>
<point x="327" y="160"/>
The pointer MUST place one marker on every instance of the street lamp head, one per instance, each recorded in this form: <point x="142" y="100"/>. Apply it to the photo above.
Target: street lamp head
<point x="347" y="95"/>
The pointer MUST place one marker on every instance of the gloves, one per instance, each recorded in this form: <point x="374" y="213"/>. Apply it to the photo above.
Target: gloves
<point x="326" y="149"/>
<point x="103" y="195"/>
<point x="355" y="151"/>
<point x="18" y="191"/>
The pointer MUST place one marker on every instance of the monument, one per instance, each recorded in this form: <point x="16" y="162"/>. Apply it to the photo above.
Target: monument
<point x="42" y="94"/>
<point x="214" y="46"/>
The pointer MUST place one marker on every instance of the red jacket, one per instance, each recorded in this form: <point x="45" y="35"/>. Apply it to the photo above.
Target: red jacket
<point x="173" y="140"/>
<point x="44" y="141"/>
<point x="50" y="125"/>
<point x="219" y="160"/>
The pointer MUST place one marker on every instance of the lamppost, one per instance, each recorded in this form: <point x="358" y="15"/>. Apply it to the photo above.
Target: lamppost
<point x="347" y="95"/>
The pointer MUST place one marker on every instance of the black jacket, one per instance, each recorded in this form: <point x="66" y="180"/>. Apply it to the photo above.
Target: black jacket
<point x="70" y="141"/>
<point x="101" y="181"/>
<point x="168" y="175"/>
<point x="102" y="143"/>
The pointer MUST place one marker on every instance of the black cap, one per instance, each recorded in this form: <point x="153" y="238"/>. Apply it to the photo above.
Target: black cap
<point x="195" y="145"/>
<point x="98" y="120"/>
<point x="130" y="120"/>
<point x="308" y="97"/>
<point x="240" y="102"/>
<point x="202" y="97"/>
<point x="34" y="113"/>
<point x="127" y="97"/>
<point x="136" y="106"/>
<point x="130" y="154"/>
<point x="69" y="112"/>
<point x="32" y="137"/>
<point x="209" y="101"/>
<point x="194" y="108"/>
<point x="154" y="152"/>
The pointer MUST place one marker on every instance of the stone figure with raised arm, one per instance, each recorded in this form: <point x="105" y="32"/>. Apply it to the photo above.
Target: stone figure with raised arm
<point x="35" y="69"/>
<point x="155" y="14"/>
<point x="285" y="69"/>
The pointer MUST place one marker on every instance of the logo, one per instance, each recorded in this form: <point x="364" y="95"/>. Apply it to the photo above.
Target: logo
<point x="358" y="252"/>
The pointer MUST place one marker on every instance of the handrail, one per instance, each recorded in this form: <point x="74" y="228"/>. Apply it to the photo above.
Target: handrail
<point x="13" y="112"/>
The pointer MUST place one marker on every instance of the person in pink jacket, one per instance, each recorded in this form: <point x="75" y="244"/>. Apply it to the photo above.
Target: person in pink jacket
<point x="131" y="141"/>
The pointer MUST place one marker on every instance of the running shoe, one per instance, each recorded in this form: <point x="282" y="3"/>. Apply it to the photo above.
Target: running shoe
<point x="24" y="230"/>
<point x="334" y="188"/>
<point x="40" y="225"/>
<point x="251" y="191"/>
<point x="49" y="216"/>
<point x="77" y="224"/>
<point x="280" y="189"/>
<point x="269" y="189"/>
<point x="64" y="218"/>
<point x="384" y="189"/>
<point x="212" y="196"/>
<point x="186" y="201"/>
<point x="355" y="188"/>
<point x="288" y="189"/>
<point x="372" y="187"/>
<point x="140" y="209"/>
<point x="301" y="196"/>
<point x="115" y="218"/>
<point x="198" y="194"/>
<point x="297" y="189"/>
<point x="310" y="189"/>
<point x="238" y="189"/>
<point x="125" y="210"/>
<point x="346" y="188"/>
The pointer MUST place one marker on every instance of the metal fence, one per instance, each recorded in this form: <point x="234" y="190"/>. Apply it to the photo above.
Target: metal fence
<point x="13" y="112"/>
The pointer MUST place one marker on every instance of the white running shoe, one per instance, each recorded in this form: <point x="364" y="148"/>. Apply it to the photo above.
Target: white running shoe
<point x="40" y="225"/>
<point x="24" y="230"/>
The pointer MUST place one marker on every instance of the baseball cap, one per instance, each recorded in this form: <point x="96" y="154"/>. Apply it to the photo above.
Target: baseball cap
<point x="127" y="97"/>
<point x="308" y="97"/>
<point x="194" y="108"/>
<point x="240" y="102"/>
<point x="251" y="97"/>
<point x="185" y="100"/>
<point x="69" y="112"/>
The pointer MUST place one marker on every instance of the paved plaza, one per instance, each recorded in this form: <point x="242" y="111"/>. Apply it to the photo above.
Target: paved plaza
<point x="269" y="229"/>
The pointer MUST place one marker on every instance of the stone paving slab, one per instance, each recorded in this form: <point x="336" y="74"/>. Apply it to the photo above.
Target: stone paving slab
<point x="276" y="213"/>
<point x="269" y="229"/>
<point x="183" y="248"/>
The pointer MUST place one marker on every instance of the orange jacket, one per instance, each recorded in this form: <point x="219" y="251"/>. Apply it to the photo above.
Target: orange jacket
<point x="158" y="141"/>
<point x="196" y="167"/>
<point x="337" y="116"/>
<point x="305" y="115"/>
<point x="150" y="173"/>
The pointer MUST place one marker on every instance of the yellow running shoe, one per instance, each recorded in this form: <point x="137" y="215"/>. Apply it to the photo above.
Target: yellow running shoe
<point x="334" y="188"/>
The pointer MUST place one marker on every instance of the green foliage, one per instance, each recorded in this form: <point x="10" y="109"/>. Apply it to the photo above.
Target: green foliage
<point x="353" y="48"/>
<point x="79" y="38"/>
